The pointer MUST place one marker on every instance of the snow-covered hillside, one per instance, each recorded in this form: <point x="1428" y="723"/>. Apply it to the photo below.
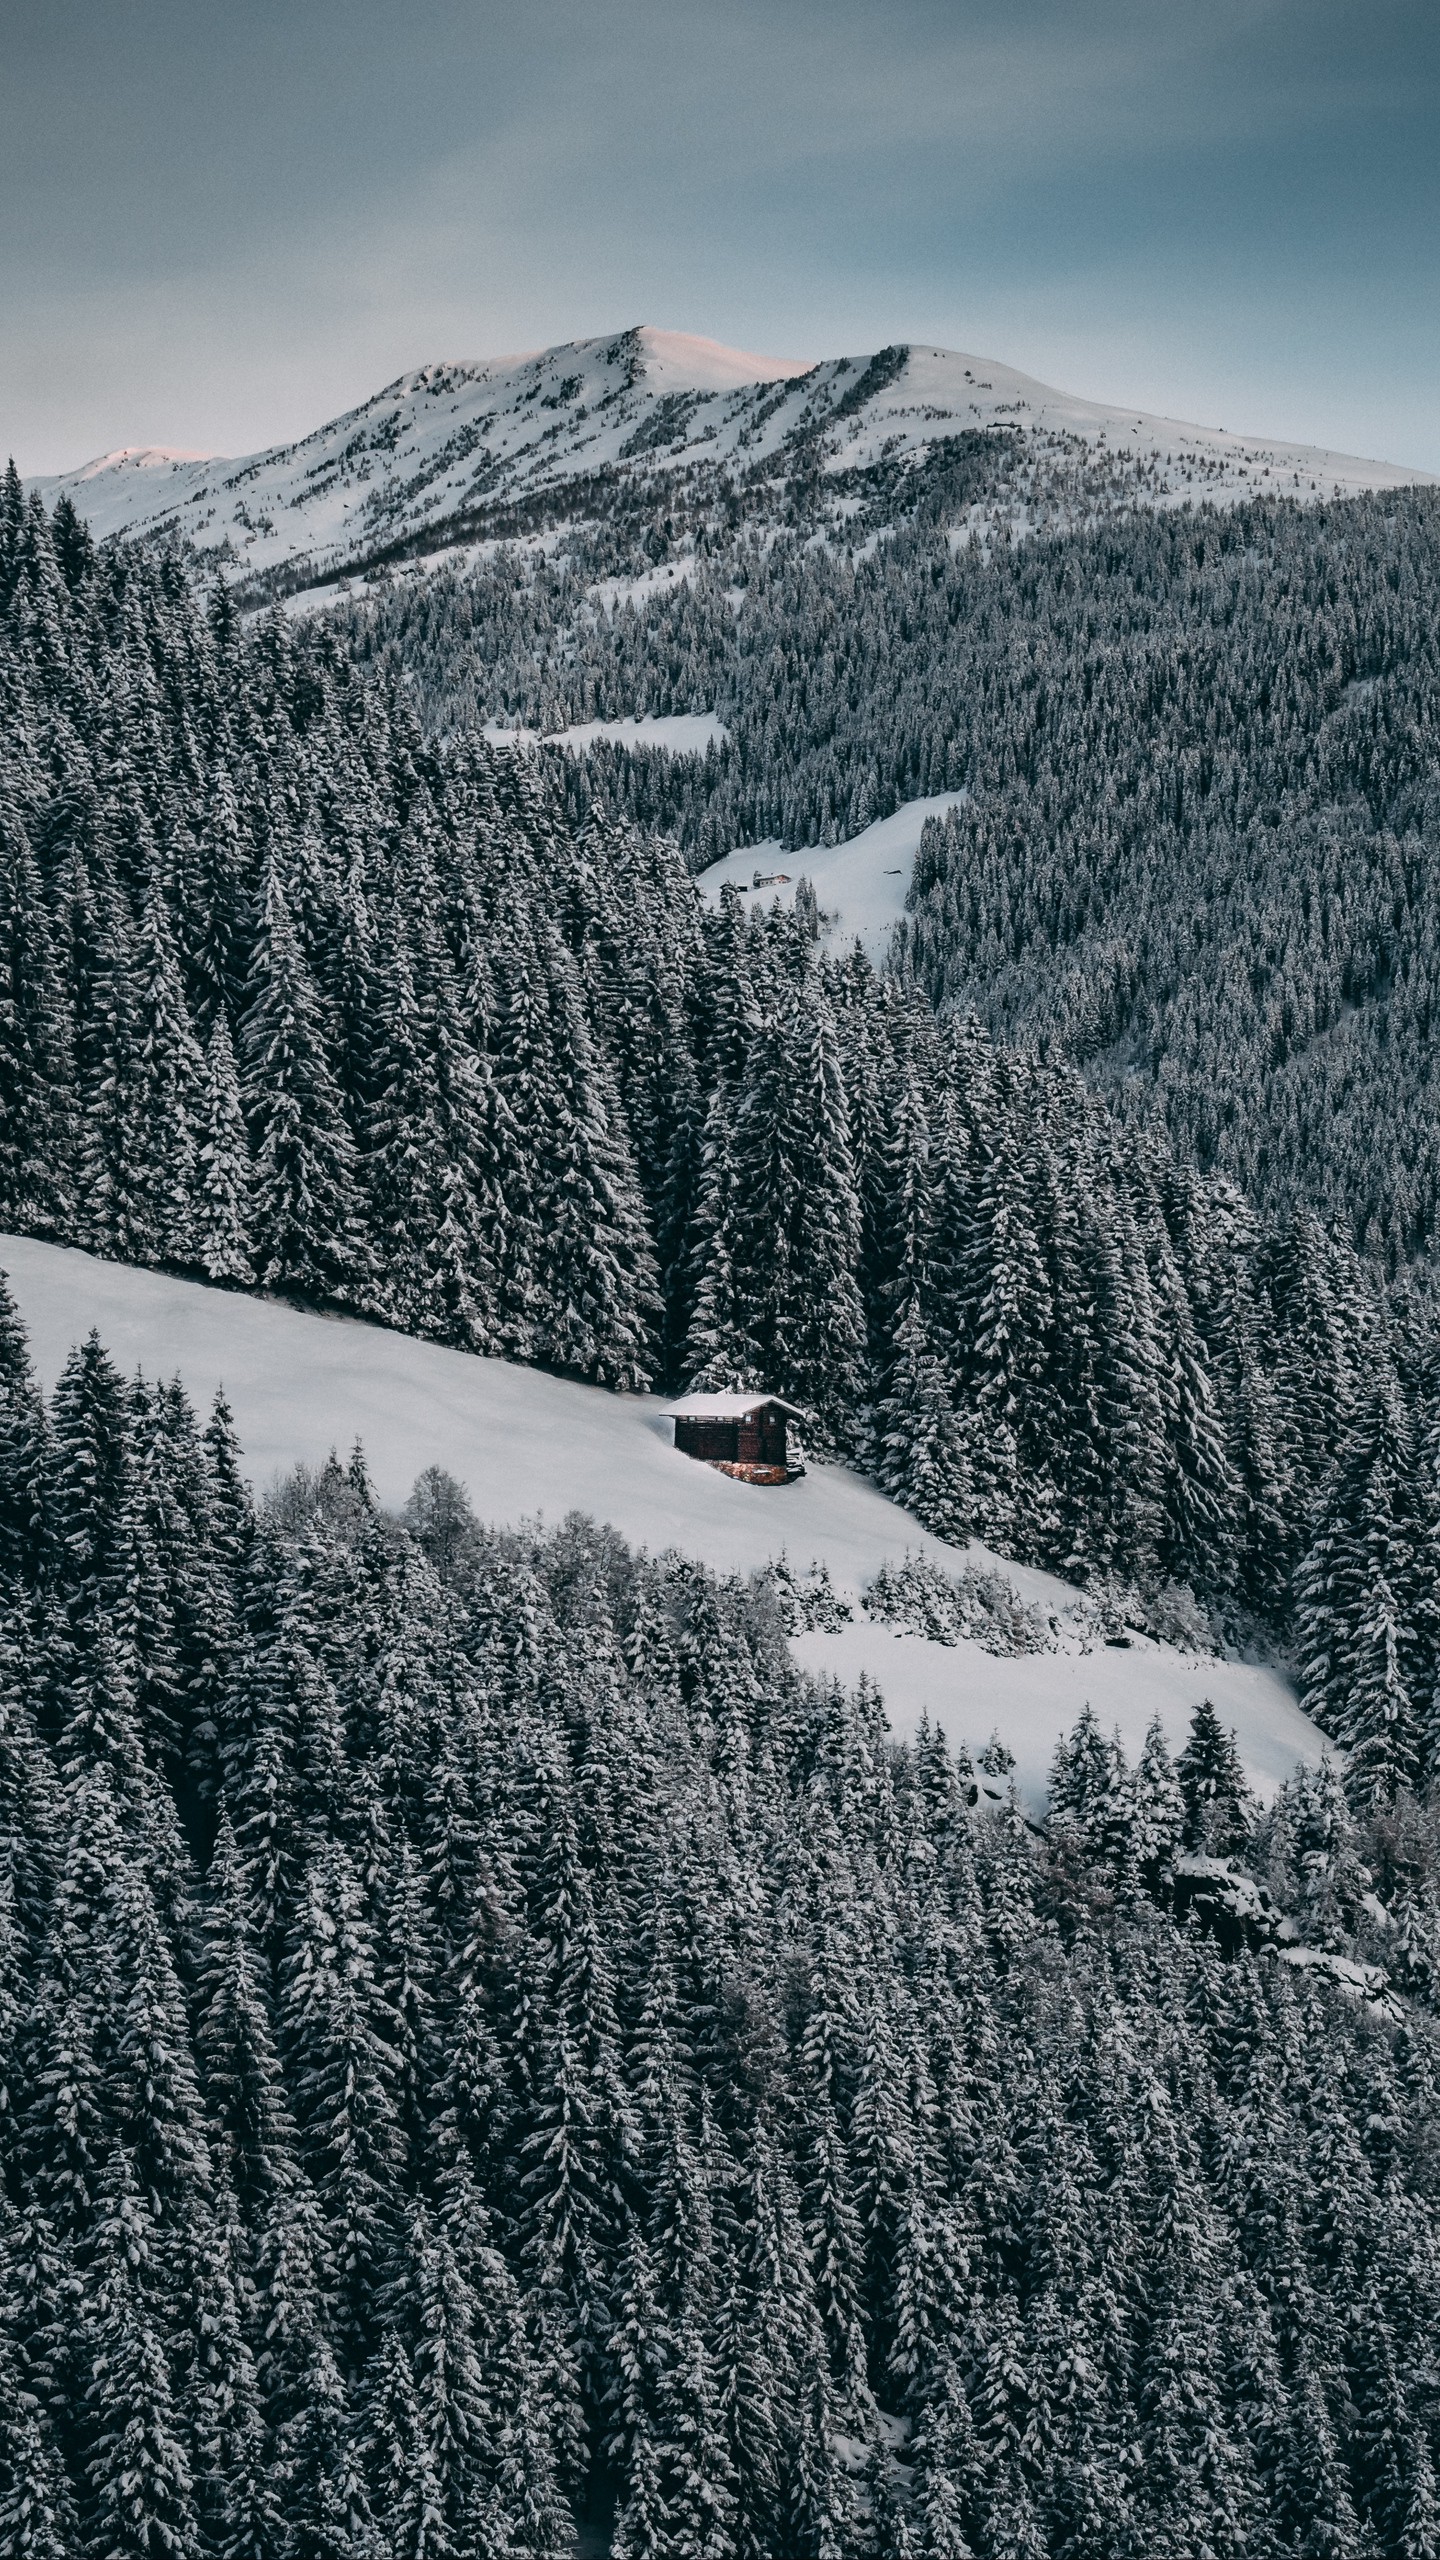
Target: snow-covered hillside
<point x="938" y="393"/>
<point x="527" y="1446"/>
<point x="674" y="733"/>
<point x="445" y="440"/>
<point x="860" y="885"/>
<point x="472" y="447"/>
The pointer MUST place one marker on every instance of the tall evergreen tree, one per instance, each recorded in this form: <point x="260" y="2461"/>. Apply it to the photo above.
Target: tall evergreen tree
<point x="1355" y="1601"/>
<point x="36" y="1092"/>
<point x="1219" y="1807"/>
<point x="222" y="1182"/>
<point x="306" y="1205"/>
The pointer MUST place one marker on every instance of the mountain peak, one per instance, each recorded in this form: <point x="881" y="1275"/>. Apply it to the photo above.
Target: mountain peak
<point x="663" y="360"/>
<point x="142" y="457"/>
<point x="673" y="360"/>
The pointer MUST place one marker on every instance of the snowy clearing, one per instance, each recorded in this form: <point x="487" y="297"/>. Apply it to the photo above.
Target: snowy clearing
<point x="861" y="885"/>
<point x="611" y="593"/>
<point x="1031" y="1698"/>
<point x="670" y="733"/>
<point x="529" y="1446"/>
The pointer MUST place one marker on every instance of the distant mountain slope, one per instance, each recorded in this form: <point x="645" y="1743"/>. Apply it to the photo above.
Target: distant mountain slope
<point x="462" y="450"/>
<point x="527" y="1445"/>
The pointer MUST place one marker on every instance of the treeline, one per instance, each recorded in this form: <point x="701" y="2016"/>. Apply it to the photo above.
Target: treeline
<point x="486" y="2048"/>
<point x="1203" y="754"/>
<point x="289" y="999"/>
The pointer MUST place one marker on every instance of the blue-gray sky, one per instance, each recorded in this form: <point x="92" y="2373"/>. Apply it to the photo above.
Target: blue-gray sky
<point x="225" y="220"/>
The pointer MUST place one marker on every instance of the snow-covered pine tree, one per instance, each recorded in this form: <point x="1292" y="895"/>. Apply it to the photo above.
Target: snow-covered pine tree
<point x="923" y="1447"/>
<point x="797" y="1216"/>
<point x="308" y="1234"/>
<point x="1001" y="1319"/>
<point x="222" y="1231"/>
<point x="1159" y="1811"/>
<point x="1219" y="1806"/>
<point x="166" y="1098"/>
<point x="603" y="1299"/>
<point x="720" y="1352"/>
<point x="1355" y="1592"/>
<point x="36" y="1093"/>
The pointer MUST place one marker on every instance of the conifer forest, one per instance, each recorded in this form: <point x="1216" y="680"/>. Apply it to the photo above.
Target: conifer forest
<point x="1200" y="748"/>
<point x="495" y="2059"/>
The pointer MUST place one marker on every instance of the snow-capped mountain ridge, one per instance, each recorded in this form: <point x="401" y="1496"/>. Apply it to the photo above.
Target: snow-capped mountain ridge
<point x="452" y="450"/>
<point x="141" y="457"/>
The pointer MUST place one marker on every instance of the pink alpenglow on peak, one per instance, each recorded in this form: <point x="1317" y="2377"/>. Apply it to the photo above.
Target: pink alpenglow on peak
<point x="675" y="361"/>
<point x="142" y="457"/>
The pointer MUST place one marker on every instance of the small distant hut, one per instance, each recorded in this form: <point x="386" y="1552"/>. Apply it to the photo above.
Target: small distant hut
<point x="743" y="1435"/>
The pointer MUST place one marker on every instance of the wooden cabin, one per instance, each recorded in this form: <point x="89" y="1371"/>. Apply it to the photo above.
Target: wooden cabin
<point x="745" y="1435"/>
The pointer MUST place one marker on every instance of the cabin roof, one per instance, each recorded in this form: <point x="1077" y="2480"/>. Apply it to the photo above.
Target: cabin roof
<point x="728" y="1406"/>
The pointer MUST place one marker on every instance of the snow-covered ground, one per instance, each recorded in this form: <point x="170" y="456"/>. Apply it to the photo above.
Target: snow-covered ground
<point x="938" y="392"/>
<point x="672" y="733"/>
<point x="861" y="885"/>
<point x="452" y="439"/>
<point x="529" y="1446"/>
<point x="1030" y="1699"/>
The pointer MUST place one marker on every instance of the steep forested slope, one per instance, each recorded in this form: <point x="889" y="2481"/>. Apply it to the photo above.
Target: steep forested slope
<point x="498" y="2049"/>
<point x="293" y="1000"/>
<point x="1203" y="753"/>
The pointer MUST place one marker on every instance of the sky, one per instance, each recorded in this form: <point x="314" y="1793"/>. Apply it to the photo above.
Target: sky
<point x="228" y="220"/>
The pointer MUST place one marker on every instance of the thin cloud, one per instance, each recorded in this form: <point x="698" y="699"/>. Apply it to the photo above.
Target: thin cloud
<point x="224" y="225"/>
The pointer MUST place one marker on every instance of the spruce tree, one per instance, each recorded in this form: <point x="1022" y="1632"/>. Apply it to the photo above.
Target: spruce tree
<point x="138" y="2472"/>
<point x="22" y="1457"/>
<point x="37" y="2508"/>
<point x="306" y="1205"/>
<point x="1219" y="1807"/>
<point x="923" y="1449"/>
<point x="719" y="1351"/>
<point x="1002" y="1316"/>
<point x="1159" y="1811"/>
<point x="1355" y="1603"/>
<point x="37" y="1101"/>
<point x="166" y="1093"/>
<point x="798" y="1217"/>
<point x="222" y="1249"/>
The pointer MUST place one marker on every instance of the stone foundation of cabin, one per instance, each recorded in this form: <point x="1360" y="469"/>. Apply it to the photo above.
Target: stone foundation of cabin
<point x="751" y="1471"/>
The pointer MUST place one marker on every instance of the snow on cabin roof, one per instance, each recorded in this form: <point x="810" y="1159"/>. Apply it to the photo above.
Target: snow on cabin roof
<point x="728" y="1407"/>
